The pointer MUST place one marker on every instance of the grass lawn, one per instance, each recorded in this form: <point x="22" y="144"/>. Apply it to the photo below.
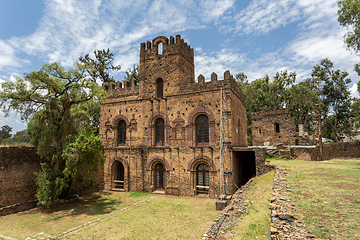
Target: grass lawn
<point x="173" y="217"/>
<point x="255" y="222"/>
<point x="327" y="194"/>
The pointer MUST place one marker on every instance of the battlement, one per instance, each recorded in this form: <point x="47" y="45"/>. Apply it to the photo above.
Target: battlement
<point x="286" y="112"/>
<point x="227" y="82"/>
<point x="121" y="89"/>
<point x="168" y="47"/>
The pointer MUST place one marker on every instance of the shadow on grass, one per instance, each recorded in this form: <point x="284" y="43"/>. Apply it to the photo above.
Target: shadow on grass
<point x="92" y="205"/>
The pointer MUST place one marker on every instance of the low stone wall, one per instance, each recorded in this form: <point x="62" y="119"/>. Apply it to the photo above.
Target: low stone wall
<point x="305" y="153"/>
<point x="341" y="150"/>
<point x="286" y="222"/>
<point x="18" y="166"/>
<point x="17" y="178"/>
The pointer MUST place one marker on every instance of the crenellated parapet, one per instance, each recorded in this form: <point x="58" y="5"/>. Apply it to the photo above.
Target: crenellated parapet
<point x="226" y="83"/>
<point x="121" y="89"/>
<point x="169" y="46"/>
<point x="266" y="112"/>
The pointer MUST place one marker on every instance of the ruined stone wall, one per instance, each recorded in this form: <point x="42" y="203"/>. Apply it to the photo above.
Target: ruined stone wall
<point x="266" y="133"/>
<point x="18" y="166"/>
<point x="305" y="153"/>
<point x="341" y="150"/>
<point x="17" y="178"/>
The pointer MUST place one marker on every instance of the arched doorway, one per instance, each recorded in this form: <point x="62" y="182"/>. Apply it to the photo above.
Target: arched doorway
<point x="202" y="178"/>
<point x="119" y="176"/>
<point x="159" y="176"/>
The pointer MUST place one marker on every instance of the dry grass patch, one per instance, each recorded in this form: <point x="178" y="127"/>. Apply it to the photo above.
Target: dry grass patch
<point x="255" y="223"/>
<point x="63" y="217"/>
<point x="327" y="194"/>
<point x="165" y="217"/>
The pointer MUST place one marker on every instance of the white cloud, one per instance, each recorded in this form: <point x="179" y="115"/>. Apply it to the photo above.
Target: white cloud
<point x="7" y="56"/>
<point x="354" y="91"/>
<point x="262" y="16"/>
<point x="218" y="62"/>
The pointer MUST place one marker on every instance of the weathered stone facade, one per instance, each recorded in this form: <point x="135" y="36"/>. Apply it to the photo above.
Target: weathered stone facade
<point x="17" y="178"/>
<point x="274" y="127"/>
<point x="151" y="128"/>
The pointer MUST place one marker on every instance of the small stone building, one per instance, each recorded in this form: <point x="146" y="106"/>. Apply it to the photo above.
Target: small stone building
<point x="276" y="127"/>
<point x="162" y="133"/>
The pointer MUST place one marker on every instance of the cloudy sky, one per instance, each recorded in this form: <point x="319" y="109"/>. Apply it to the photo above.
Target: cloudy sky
<point x="256" y="37"/>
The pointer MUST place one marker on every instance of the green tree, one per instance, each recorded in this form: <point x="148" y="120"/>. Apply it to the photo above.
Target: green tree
<point x="133" y="73"/>
<point x="336" y="100"/>
<point x="349" y="16"/>
<point x="5" y="132"/>
<point x="263" y="93"/>
<point x="57" y="103"/>
<point x="301" y="101"/>
<point x="98" y="68"/>
<point x="22" y="136"/>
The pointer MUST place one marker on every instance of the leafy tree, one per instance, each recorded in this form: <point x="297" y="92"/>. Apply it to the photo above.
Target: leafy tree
<point x="5" y="132"/>
<point x="98" y="68"/>
<point x="336" y="100"/>
<point x="21" y="137"/>
<point x="58" y="103"/>
<point x="301" y="101"/>
<point x="263" y="93"/>
<point x="349" y="16"/>
<point x="133" y="73"/>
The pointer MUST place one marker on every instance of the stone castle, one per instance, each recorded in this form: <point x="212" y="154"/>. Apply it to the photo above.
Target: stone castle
<point x="162" y="133"/>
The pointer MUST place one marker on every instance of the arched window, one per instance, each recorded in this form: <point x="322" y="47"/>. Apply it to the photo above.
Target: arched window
<point x="202" y="130"/>
<point x="122" y="132"/>
<point x="277" y="128"/>
<point x="160" y="48"/>
<point x="159" y="132"/>
<point x="159" y="176"/>
<point x="159" y="88"/>
<point x="202" y="178"/>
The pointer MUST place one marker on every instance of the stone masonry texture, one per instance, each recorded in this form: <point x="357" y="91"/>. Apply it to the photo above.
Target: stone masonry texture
<point x="178" y="101"/>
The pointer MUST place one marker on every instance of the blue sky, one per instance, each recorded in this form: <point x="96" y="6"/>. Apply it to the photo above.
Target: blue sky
<point x="256" y="37"/>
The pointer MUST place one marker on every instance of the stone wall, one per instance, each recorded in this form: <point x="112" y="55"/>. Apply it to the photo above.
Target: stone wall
<point x="270" y="128"/>
<point x="17" y="178"/>
<point x="306" y="153"/>
<point x="18" y="166"/>
<point x="341" y="150"/>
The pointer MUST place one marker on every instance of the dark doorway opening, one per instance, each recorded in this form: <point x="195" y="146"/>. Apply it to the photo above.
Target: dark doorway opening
<point x="159" y="176"/>
<point x="244" y="167"/>
<point x="119" y="176"/>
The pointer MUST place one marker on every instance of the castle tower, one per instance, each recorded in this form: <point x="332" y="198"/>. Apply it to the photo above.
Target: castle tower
<point x="165" y="65"/>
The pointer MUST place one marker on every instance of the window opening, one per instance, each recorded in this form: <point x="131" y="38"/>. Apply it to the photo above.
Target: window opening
<point x="159" y="88"/>
<point x="202" y="130"/>
<point x="159" y="132"/>
<point x="277" y="128"/>
<point x="160" y="48"/>
<point x="159" y="176"/>
<point x="122" y="132"/>
<point x="202" y="178"/>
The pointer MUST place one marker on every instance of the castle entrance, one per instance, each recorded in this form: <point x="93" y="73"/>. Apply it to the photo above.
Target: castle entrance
<point x="118" y="173"/>
<point x="244" y="167"/>
<point x="159" y="176"/>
